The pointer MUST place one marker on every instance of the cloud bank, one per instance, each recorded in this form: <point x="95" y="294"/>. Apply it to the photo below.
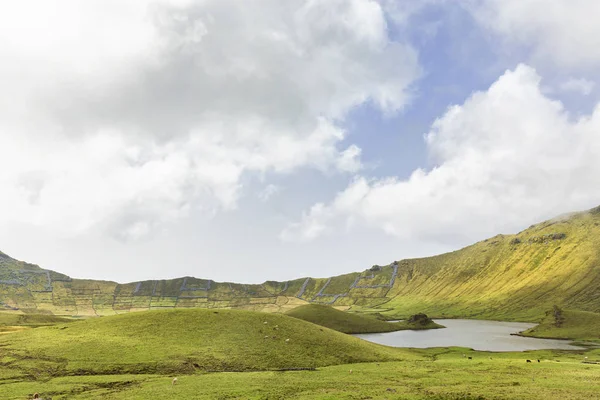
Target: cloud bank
<point x="564" y="32"/>
<point x="507" y="157"/>
<point x="125" y="115"/>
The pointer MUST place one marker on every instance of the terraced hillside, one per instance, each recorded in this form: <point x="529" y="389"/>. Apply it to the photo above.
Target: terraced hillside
<point x="506" y="277"/>
<point x="29" y="288"/>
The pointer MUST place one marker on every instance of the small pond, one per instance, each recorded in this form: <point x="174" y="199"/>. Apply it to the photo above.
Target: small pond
<point x="475" y="334"/>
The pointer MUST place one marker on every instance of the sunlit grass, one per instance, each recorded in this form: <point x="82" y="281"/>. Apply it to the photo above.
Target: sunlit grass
<point x="435" y="376"/>
<point x="352" y="323"/>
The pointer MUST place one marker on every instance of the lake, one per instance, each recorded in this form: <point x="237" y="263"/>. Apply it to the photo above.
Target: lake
<point x="475" y="334"/>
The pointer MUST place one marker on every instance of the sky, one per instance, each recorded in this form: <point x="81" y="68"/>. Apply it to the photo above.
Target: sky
<point x="265" y="140"/>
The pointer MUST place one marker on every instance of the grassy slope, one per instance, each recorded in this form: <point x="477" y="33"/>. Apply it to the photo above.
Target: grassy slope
<point x="13" y="319"/>
<point x="349" y="322"/>
<point x="505" y="278"/>
<point x="175" y="340"/>
<point x="577" y="325"/>
<point x="508" y="277"/>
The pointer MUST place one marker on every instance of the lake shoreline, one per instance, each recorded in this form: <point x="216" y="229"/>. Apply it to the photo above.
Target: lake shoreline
<point x="479" y="335"/>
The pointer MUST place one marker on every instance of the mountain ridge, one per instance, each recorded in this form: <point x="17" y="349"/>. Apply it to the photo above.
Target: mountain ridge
<point x="516" y="276"/>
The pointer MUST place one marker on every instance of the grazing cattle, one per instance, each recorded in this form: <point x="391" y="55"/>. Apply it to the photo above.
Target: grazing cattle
<point x="470" y="358"/>
<point x="174" y="381"/>
<point x="528" y="361"/>
<point x="350" y="371"/>
<point x="538" y="360"/>
<point x="287" y="340"/>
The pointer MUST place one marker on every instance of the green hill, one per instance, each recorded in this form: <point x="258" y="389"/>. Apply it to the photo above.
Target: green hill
<point x="511" y="277"/>
<point x="184" y="341"/>
<point x="350" y="322"/>
<point x="568" y="324"/>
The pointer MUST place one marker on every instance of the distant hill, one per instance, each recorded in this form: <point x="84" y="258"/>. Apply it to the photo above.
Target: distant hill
<point x="513" y="277"/>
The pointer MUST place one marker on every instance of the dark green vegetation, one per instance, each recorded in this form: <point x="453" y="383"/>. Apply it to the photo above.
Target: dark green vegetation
<point x="10" y="322"/>
<point x="356" y="323"/>
<point x="508" y="277"/>
<point x="30" y="320"/>
<point x="568" y="324"/>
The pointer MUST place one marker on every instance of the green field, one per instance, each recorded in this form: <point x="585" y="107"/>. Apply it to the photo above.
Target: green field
<point x="352" y="323"/>
<point x="230" y="354"/>
<point x="450" y="377"/>
<point x="186" y="341"/>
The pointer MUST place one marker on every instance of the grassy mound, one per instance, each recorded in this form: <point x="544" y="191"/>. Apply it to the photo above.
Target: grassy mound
<point x="187" y="340"/>
<point x="13" y="319"/>
<point x="353" y="323"/>
<point x="13" y="322"/>
<point x="568" y="324"/>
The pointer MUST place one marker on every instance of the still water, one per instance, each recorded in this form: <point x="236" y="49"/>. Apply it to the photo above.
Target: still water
<point x="478" y="335"/>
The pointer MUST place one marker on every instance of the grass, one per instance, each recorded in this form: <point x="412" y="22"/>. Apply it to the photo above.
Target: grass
<point x="13" y="322"/>
<point x="351" y="323"/>
<point x="435" y="374"/>
<point x="33" y="320"/>
<point x="223" y="354"/>
<point x="507" y="277"/>
<point x="185" y="341"/>
<point x="577" y="325"/>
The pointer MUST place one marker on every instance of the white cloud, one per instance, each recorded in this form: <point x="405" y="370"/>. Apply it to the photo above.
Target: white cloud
<point x="506" y="158"/>
<point x="580" y="85"/>
<point x="401" y="11"/>
<point x="125" y="115"/>
<point x="269" y="191"/>
<point x="349" y="159"/>
<point x="563" y="31"/>
<point x="313" y="224"/>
